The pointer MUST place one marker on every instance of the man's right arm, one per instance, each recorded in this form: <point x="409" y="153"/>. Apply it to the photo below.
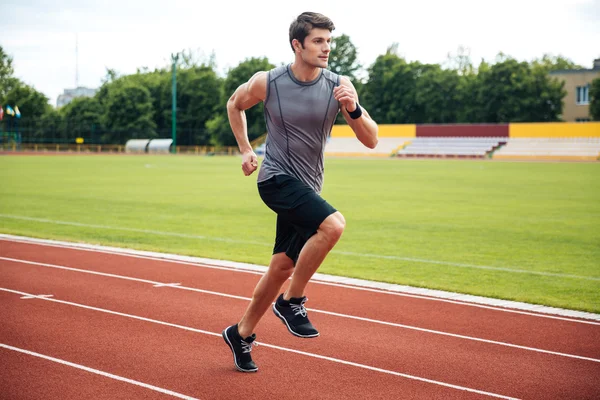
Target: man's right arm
<point x="246" y="96"/>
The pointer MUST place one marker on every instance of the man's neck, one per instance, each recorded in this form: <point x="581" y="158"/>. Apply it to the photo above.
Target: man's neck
<point x="304" y="72"/>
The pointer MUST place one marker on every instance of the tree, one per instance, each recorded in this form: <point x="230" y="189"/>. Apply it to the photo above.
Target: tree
<point x="343" y="57"/>
<point x="31" y="103"/>
<point x="111" y="75"/>
<point x="461" y="61"/>
<point x="218" y="126"/>
<point x="438" y="95"/>
<point x="595" y="100"/>
<point x="158" y="83"/>
<point x="555" y="63"/>
<point x="82" y="117"/>
<point x="378" y="95"/>
<point x="128" y="113"/>
<point x="7" y="80"/>
<point x="49" y="128"/>
<point x="512" y="91"/>
<point x="199" y="95"/>
<point x="196" y="58"/>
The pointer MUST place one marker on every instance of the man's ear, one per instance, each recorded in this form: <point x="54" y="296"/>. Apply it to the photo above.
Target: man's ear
<point x="297" y="45"/>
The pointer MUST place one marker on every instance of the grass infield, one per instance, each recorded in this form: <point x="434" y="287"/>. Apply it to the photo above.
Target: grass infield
<point x="521" y="231"/>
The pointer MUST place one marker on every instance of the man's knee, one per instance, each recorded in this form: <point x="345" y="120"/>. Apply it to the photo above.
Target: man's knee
<point x="333" y="227"/>
<point x="282" y="265"/>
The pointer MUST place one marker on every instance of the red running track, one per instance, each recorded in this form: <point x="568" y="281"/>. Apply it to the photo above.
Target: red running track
<point x="109" y="332"/>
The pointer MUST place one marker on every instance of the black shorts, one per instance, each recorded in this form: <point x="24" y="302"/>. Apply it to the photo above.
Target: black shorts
<point x="300" y="212"/>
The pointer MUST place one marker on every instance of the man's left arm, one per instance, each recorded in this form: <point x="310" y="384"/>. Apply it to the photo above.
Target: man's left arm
<point x="357" y="117"/>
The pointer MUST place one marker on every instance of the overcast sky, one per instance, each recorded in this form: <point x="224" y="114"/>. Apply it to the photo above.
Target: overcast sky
<point x="126" y="35"/>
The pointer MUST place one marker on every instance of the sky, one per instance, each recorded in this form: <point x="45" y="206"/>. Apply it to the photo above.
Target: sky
<point x="41" y="36"/>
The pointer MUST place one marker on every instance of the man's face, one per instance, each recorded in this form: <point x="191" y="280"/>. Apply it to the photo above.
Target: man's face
<point x="317" y="46"/>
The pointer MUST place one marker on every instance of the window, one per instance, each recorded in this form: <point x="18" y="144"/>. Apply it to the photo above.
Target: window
<point x="583" y="95"/>
<point x="582" y="120"/>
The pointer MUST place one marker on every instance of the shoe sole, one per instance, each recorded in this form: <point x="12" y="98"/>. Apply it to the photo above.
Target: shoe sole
<point x="278" y="315"/>
<point x="224" y="334"/>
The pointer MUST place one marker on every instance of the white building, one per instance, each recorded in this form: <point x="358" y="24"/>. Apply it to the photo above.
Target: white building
<point x="71" y="94"/>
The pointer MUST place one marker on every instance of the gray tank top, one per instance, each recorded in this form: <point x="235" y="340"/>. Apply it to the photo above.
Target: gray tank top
<point x="299" y="117"/>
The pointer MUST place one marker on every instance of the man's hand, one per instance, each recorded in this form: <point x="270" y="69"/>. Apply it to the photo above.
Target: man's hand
<point x="249" y="162"/>
<point x="346" y="96"/>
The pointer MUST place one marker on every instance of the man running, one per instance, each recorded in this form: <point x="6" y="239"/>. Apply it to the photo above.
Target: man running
<point x="301" y="102"/>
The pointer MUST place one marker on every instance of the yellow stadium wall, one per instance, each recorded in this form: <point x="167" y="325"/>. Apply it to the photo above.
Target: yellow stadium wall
<point x="391" y="130"/>
<point x="554" y="130"/>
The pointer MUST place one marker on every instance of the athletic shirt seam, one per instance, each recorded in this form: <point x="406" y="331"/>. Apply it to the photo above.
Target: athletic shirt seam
<point x="320" y="160"/>
<point x="287" y="135"/>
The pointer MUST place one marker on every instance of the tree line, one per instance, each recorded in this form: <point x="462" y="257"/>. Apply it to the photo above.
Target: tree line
<point x="393" y="89"/>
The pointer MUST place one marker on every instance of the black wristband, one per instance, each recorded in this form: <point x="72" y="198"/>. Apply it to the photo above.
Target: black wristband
<point x="356" y="113"/>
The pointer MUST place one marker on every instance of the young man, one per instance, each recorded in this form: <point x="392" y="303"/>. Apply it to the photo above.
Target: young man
<point x="301" y="102"/>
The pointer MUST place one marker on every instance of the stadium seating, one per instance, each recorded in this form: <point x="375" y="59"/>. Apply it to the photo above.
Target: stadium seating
<point x="352" y="147"/>
<point x="476" y="147"/>
<point x="550" y="148"/>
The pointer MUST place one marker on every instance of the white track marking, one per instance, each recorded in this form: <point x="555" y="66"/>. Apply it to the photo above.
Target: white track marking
<point x="465" y="301"/>
<point x="98" y="372"/>
<point x="344" y="253"/>
<point x="36" y="296"/>
<point x="454" y="335"/>
<point x="167" y="284"/>
<point x="464" y="337"/>
<point x="313" y="355"/>
<point x="350" y="283"/>
<point x="128" y="278"/>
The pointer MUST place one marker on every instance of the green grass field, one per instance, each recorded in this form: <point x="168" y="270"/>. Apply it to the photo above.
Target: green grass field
<point x="520" y="231"/>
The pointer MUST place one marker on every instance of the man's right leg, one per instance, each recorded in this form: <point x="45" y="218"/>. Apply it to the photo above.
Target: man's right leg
<point x="267" y="289"/>
<point x="239" y="337"/>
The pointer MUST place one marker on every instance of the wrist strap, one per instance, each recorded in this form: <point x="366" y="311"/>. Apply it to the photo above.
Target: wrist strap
<point x="356" y="113"/>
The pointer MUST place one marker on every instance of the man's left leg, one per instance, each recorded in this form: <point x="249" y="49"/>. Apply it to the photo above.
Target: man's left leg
<point x="314" y="252"/>
<point x="289" y="307"/>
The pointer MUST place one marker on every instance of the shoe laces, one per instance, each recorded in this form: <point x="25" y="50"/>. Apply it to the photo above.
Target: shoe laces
<point x="299" y="309"/>
<point x="247" y="346"/>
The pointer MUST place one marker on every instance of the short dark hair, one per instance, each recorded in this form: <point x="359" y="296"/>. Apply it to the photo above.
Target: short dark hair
<point x="302" y="25"/>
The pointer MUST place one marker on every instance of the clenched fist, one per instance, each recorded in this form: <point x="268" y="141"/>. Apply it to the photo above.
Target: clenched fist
<point x="346" y="96"/>
<point x="249" y="162"/>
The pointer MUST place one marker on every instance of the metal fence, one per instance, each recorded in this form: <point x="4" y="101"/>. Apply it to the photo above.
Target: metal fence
<point x="64" y="132"/>
<point x="42" y="148"/>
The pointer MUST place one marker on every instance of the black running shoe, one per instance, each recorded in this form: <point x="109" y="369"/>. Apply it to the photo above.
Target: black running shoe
<point x="240" y="348"/>
<point x="293" y="315"/>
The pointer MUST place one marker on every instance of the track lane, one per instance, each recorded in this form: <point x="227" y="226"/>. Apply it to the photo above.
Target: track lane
<point x="445" y="359"/>
<point x="25" y="376"/>
<point x="525" y="330"/>
<point x="191" y="363"/>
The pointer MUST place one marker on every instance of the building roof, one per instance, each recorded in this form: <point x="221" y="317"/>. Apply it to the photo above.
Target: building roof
<point x="573" y="71"/>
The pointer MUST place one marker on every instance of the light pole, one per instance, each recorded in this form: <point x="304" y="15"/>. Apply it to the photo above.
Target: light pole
<point x="174" y="58"/>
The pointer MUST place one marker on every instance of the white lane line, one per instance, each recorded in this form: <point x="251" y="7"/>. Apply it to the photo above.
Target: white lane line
<point x="415" y="328"/>
<point x="36" y="296"/>
<point x="313" y="355"/>
<point x="594" y="317"/>
<point x="98" y="372"/>
<point x="127" y="278"/>
<point x="344" y="253"/>
<point x="167" y="284"/>
<point x="322" y="279"/>
<point x="454" y="335"/>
